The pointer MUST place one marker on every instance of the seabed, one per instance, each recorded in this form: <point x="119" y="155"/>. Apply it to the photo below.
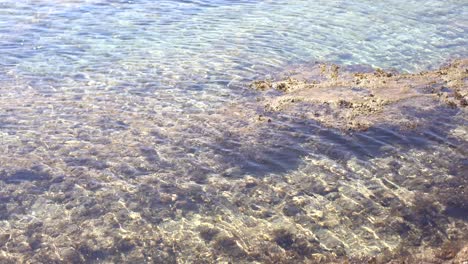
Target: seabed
<point x="320" y="164"/>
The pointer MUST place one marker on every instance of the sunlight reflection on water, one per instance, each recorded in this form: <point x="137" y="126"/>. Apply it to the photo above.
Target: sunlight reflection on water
<point x="128" y="127"/>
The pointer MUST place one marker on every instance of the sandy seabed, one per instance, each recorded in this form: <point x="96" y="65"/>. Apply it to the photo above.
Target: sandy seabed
<point x="327" y="164"/>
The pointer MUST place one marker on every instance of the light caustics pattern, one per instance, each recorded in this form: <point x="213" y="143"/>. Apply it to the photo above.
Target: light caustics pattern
<point x="128" y="133"/>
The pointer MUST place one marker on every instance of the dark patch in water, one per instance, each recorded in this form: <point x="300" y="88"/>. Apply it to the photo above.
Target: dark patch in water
<point x="150" y="153"/>
<point x="457" y="212"/>
<point x="3" y="212"/>
<point x="25" y="175"/>
<point x="107" y="123"/>
<point x="86" y="162"/>
<point x="207" y="232"/>
<point x="285" y="141"/>
<point x="92" y="255"/>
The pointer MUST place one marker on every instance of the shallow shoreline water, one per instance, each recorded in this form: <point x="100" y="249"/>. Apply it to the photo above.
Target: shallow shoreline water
<point x="105" y="178"/>
<point x="129" y="132"/>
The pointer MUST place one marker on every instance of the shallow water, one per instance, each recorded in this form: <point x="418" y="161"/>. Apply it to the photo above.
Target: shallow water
<point x="128" y="133"/>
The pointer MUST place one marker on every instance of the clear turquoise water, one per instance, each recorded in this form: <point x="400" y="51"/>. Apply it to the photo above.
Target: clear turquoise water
<point x="205" y="45"/>
<point x="125" y="126"/>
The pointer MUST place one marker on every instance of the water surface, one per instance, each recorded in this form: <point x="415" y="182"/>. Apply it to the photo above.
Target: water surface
<point x="128" y="135"/>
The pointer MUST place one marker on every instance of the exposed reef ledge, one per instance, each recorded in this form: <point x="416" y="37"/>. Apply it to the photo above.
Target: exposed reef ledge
<point x="350" y="100"/>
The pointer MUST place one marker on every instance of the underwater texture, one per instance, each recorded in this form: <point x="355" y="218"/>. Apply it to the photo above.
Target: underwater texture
<point x="217" y="131"/>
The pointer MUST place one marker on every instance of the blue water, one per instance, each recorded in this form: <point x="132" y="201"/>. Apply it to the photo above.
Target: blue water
<point x="206" y="45"/>
<point x="128" y="133"/>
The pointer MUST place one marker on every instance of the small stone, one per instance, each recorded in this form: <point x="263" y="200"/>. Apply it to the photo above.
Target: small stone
<point x="291" y="210"/>
<point x="70" y="255"/>
<point x="250" y="182"/>
<point x="229" y="245"/>
<point x="207" y="231"/>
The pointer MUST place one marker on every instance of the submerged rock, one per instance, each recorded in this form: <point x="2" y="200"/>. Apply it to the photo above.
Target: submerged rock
<point x="356" y="101"/>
